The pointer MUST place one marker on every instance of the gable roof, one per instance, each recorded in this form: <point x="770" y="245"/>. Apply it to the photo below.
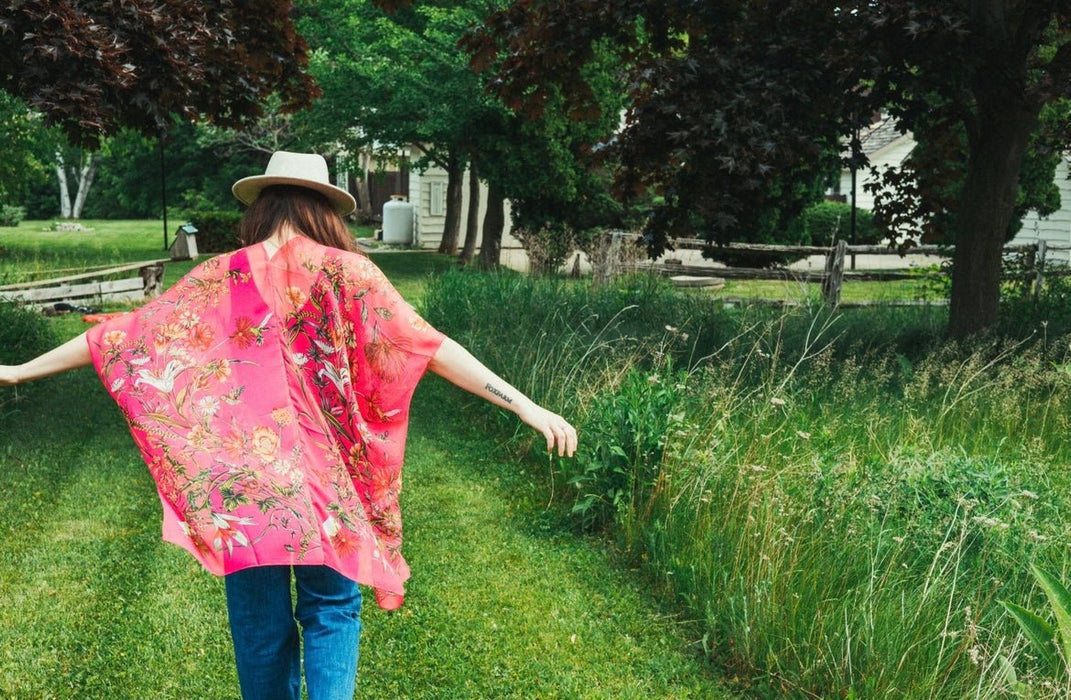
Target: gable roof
<point x="879" y="134"/>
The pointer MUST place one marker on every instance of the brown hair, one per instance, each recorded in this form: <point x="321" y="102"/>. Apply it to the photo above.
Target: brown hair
<point x="307" y="211"/>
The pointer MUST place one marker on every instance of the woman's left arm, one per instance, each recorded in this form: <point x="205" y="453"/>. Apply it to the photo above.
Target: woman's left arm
<point x="73" y="353"/>
<point x="457" y="365"/>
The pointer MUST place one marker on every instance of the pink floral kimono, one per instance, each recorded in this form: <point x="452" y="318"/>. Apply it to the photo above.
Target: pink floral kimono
<point x="270" y="398"/>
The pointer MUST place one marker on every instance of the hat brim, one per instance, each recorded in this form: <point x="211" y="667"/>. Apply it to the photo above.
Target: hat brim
<point x="248" y="189"/>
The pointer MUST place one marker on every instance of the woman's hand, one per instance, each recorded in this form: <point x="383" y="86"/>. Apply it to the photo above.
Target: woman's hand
<point x="454" y="363"/>
<point x="558" y="432"/>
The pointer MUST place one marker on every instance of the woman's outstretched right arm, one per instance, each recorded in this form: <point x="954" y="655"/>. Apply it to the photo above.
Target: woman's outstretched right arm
<point x="74" y="353"/>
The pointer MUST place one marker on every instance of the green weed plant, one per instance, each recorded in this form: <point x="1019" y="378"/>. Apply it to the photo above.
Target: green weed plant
<point x="840" y="499"/>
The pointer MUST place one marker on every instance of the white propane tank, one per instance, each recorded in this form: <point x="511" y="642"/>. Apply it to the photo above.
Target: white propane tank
<point x="397" y="221"/>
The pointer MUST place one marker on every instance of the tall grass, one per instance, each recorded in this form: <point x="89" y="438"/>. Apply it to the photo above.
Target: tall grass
<point x="841" y="499"/>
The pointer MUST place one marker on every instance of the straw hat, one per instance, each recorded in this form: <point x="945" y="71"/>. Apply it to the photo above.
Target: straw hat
<point x="300" y="169"/>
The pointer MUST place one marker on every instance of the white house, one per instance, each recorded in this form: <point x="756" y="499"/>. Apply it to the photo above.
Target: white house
<point x="885" y="145"/>
<point x="374" y="182"/>
<point x="427" y="193"/>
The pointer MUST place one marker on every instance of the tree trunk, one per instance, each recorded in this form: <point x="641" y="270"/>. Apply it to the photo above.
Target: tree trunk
<point x="364" y="197"/>
<point x="986" y="207"/>
<point x="455" y="173"/>
<point x="494" y="221"/>
<point x="86" y="174"/>
<point x="472" y="221"/>
<point x="64" y="191"/>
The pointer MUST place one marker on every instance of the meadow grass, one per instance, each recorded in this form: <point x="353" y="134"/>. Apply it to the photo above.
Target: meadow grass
<point x="841" y="498"/>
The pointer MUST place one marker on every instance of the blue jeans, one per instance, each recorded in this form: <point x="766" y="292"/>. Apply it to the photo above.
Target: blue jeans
<point x="267" y="644"/>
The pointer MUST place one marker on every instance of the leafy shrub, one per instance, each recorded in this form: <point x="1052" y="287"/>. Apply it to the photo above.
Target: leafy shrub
<point x="24" y="334"/>
<point x="11" y="215"/>
<point x="627" y="430"/>
<point x="828" y="221"/>
<point x="217" y="231"/>
<point x="547" y="247"/>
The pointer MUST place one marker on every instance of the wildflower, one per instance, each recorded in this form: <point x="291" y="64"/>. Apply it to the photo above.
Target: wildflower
<point x="777" y="402"/>
<point x="245" y="333"/>
<point x="653" y="379"/>
<point x="989" y="522"/>
<point x="803" y="435"/>
<point x="219" y="369"/>
<point x="198" y="436"/>
<point x="234" y="444"/>
<point x="385" y="359"/>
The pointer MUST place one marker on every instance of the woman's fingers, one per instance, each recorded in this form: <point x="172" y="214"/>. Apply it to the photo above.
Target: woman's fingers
<point x="556" y="430"/>
<point x="562" y="434"/>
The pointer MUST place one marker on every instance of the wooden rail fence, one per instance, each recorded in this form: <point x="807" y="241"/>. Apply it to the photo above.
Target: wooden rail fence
<point x="1037" y="266"/>
<point x="92" y="287"/>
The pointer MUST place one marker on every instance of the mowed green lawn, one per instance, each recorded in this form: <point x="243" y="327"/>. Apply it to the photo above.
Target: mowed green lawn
<point x="503" y="603"/>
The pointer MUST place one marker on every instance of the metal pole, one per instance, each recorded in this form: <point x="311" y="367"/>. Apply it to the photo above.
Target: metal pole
<point x="854" y="168"/>
<point x="163" y="186"/>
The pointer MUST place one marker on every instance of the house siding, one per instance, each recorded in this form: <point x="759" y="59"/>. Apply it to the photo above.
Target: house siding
<point x="891" y="155"/>
<point x="427" y="193"/>
<point x="1055" y="228"/>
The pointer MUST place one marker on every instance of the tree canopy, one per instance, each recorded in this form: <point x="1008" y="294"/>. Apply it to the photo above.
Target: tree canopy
<point x="736" y="105"/>
<point x="400" y="78"/>
<point x="94" y="67"/>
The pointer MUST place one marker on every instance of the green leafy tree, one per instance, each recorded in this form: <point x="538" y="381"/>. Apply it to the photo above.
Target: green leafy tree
<point x="27" y="152"/>
<point x="195" y="173"/>
<point x="729" y="96"/>
<point x="394" y="79"/>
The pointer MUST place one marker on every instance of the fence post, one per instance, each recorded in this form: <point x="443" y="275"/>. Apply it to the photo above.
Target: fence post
<point x="834" y="277"/>
<point x="1039" y="269"/>
<point x="152" y="277"/>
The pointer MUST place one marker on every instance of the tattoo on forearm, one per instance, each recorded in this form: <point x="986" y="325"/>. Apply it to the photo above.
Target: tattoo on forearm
<point x="499" y="394"/>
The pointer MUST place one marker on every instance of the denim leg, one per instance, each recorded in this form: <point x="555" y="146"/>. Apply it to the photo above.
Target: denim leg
<point x="329" y="610"/>
<point x="266" y="647"/>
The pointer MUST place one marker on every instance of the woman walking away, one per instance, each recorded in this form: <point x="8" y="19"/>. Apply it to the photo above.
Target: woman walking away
<point x="268" y="391"/>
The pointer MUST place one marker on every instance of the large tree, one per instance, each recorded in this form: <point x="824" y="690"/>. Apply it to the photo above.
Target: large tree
<point x="1012" y="61"/>
<point x="395" y="80"/>
<point x="94" y="67"/>
<point x="735" y="102"/>
<point x="399" y="78"/>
